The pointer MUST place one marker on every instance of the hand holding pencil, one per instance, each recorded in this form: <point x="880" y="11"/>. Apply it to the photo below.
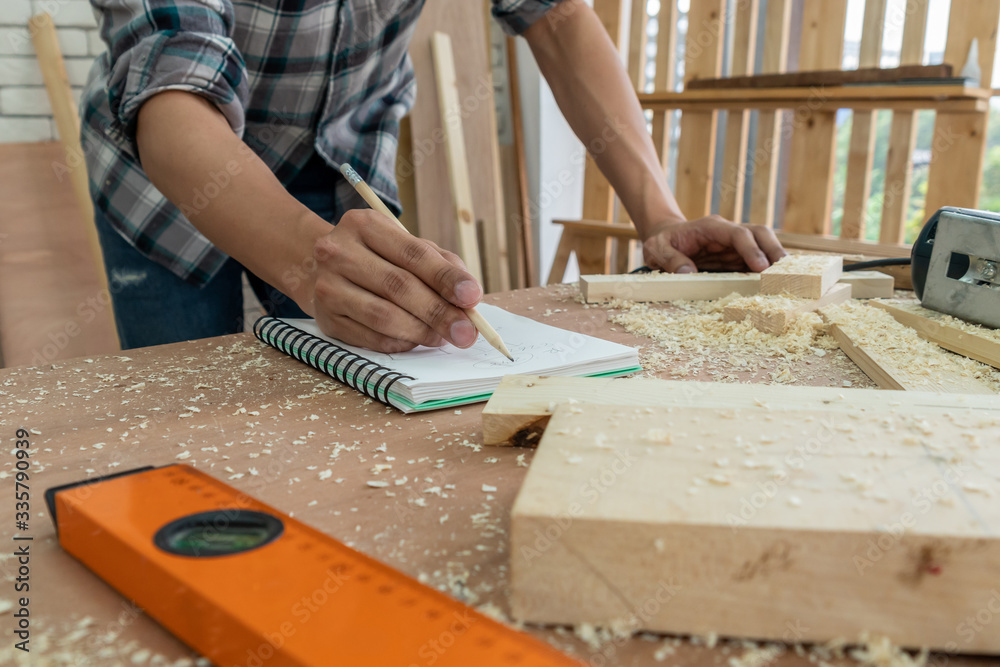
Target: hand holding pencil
<point x="491" y="336"/>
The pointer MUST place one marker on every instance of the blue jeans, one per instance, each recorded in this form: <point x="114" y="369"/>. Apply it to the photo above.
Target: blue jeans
<point x="153" y="306"/>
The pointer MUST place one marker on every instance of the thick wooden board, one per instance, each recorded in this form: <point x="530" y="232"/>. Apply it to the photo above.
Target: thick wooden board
<point x="667" y="286"/>
<point x="869" y="284"/>
<point x="808" y="276"/>
<point x="971" y="341"/>
<point x="774" y="313"/>
<point x="832" y="77"/>
<point x="894" y="356"/>
<point x="520" y="408"/>
<point x="731" y="522"/>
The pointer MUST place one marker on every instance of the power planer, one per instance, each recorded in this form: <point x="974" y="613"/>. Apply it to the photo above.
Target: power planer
<point x="955" y="264"/>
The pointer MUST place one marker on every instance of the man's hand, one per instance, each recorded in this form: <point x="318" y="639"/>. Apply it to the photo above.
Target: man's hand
<point x="378" y="287"/>
<point x="711" y="244"/>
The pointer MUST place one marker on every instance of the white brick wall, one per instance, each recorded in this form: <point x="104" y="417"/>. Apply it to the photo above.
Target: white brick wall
<point x="25" y="114"/>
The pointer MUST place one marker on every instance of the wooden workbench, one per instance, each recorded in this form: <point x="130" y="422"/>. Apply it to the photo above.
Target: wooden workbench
<point x="272" y="427"/>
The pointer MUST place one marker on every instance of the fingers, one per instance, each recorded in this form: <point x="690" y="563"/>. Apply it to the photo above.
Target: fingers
<point x="768" y="242"/>
<point x="354" y="333"/>
<point x="442" y="274"/>
<point x="665" y="257"/>
<point x="745" y="243"/>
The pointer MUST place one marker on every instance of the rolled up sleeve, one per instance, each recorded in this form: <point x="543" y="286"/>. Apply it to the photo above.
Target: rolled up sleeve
<point x="159" y="45"/>
<point x="516" y="16"/>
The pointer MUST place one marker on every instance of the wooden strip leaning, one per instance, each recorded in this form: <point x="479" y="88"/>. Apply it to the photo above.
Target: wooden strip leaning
<point x="977" y="343"/>
<point x="520" y="408"/>
<point x="458" y="165"/>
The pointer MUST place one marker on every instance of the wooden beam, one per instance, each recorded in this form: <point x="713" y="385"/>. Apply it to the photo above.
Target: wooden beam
<point x="808" y="276"/>
<point x="832" y="77"/>
<point x="663" y="75"/>
<point x="772" y="313"/>
<point x="667" y="286"/>
<point x="869" y="284"/>
<point x="857" y="189"/>
<point x="894" y="356"/>
<point x="764" y="163"/>
<point x="696" y="146"/>
<point x="454" y="144"/>
<point x="519" y="409"/>
<point x="734" y="156"/>
<point x="845" y="246"/>
<point x="731" y="521"/>
<point x="812" y="97"/>
<point x="969" y="340"/>
<point x="903" y="134"/>
<point x="809" y="195"/>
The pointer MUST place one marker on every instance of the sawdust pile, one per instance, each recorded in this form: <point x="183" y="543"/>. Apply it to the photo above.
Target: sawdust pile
<point x="691" y="339"/>
<point x="920" y="361"/>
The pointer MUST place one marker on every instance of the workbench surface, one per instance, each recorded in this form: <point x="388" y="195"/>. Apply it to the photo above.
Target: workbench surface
<point x="286" y="434"/>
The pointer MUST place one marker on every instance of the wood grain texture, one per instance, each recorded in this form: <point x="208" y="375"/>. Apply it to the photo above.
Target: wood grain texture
<point x="959" y="143"/>
<point x="903" y="135"/>
<point x="975" y="342"/>
<point x="857" y="189"/>
<point x="809" y="196"/>
<point x="732" y="521"/>
<point x="520" y="408"/>
<point x="814" y="280"/>
<point x="465" y="23"/>
<point x="696" y="146"/>
<point x="775" y="318"/>
<point x="764" y="162"/>
<point x="666" y="286"/>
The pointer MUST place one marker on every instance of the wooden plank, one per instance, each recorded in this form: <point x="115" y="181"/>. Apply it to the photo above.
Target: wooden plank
<point x="857" y="189"/>
<point x="696" y="146"/>
<point x="869" y="284"/>
<point x="667" y="286"/>
<point x="834" y="77"/>
<point x="499" y="254"/>
<point x="663" y="75"/>
<point x="894" y="356"/>
<point x="969" y="340"/>
<point x="815" y="96"/>
<point x="970" y="105"/>
<point x="809" y="195"/>
<point x="772" y="313"/>
<point x="903" y="135"/>
<point x="454" y="145"/>
<point x="465" y="23"/>
<point x="808" y="276"/>
<point x="734" y="156"/>
<point x="959" y="144"/>
<point x="524" y="223"/>
<point x="670" y="519"/>
<point x="404" y="177"/>
<point x="764" y="165"/>
<point x="520" y="408"/>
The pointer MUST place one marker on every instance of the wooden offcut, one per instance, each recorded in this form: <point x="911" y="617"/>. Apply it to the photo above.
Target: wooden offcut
<point x="667" y="286"/>
<point x="807" y="276"/>
<point x="869" y="284"/>
<point x="969" y="340"/>
<point x="833" y="77"/>
<point x="521" y="406"/>
<point x="720" y="521"/>
<point x="774" y="313"/>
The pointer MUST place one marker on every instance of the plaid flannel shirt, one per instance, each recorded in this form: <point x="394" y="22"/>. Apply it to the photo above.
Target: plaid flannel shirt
<point x="290" y="76"/>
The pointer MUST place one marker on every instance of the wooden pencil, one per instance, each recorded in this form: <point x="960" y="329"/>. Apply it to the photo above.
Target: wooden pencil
<point x="484" y="327"/>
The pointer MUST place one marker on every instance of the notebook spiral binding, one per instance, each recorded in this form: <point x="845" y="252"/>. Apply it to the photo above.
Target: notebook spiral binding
<point x="348" y="367"/>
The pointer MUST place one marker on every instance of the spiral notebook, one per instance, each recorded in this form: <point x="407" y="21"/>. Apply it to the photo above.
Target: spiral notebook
<point x="427" y="378"/>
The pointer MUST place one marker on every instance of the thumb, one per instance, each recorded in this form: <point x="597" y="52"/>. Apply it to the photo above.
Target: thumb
<point x="672" y="260"/>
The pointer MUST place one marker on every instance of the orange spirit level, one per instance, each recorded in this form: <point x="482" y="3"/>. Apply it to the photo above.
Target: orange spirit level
<point x="248" y="586"/>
